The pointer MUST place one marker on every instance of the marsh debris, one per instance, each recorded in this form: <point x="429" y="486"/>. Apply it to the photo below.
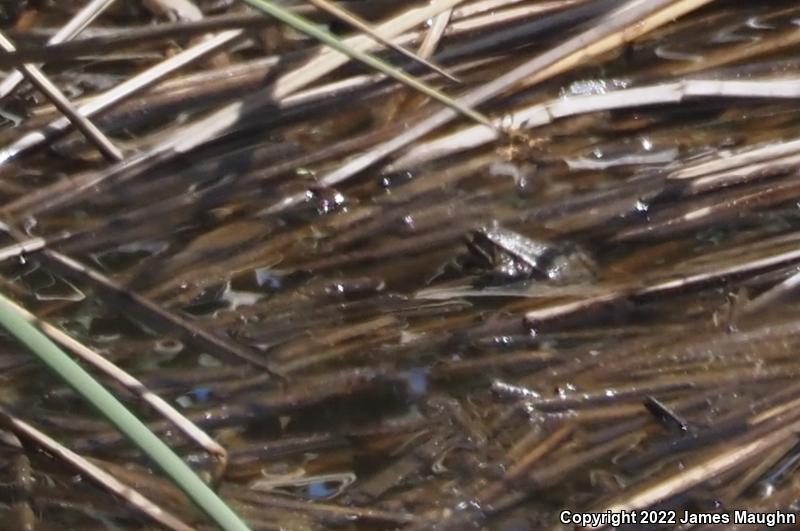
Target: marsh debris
<point x="349" y="307"/>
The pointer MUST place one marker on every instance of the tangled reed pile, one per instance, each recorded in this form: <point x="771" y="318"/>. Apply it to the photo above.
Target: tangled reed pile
<point x="348" y="303"/>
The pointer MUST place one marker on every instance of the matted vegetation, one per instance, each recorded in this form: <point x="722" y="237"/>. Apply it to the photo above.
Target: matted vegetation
<point x="484" y="261"/>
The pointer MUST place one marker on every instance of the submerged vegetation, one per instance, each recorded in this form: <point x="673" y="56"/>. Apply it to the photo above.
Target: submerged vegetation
<point x="538" y="255"/>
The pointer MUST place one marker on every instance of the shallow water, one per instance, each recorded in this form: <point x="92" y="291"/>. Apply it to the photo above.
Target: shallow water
<point x="435" y="377"/>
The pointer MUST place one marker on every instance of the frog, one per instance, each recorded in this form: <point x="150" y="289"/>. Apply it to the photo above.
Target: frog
<point x="511" y="256"/>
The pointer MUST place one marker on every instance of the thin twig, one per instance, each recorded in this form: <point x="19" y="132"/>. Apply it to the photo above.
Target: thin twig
<point x="661" y="288"/>
<point x="701" y="471"/>
<point x="545" y="113"/>
<point x="78" y="23"/>
<point x="210" y="127"/>
<point x="100" y="103"/>
<point x="435" y="34"/>
<point x="26" y="431"/>
<point x="130" y="383"/>
<point x="632" y="20"/>
<point x="301" y="24"/>
<point x="123" y="420"/>
<point x="38" y="79"/>
<point x="358" y="23"/>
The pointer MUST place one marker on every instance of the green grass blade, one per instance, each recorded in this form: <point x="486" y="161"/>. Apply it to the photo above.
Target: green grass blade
<point x="127" y="423"/>
<point x="303" y="25"/>
<point x="360" y="24"/>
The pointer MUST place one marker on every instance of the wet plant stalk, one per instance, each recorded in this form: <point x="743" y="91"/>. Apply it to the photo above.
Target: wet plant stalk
<point x="305" y="26"/>
<point x="121" y="417"/>
<point x="77" y="24"/>
<point x="37" y="78"/>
